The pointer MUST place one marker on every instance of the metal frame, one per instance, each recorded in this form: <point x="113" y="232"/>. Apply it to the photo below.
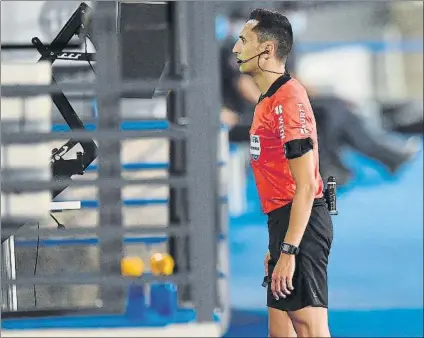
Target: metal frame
<point x="199" y="84"/>
<point x="108" y="77"/>
<point x="202" y="111"/>
<point x="66" y="168"/>
<point x="8" y="270"/>
<point x="178" y="203"/>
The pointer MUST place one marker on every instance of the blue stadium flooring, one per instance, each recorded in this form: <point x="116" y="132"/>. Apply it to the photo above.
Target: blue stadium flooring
<point x="378" y="323"/>
<point x="376" y="269"/>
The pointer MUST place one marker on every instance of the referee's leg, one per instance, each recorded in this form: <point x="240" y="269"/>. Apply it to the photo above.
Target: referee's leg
<point x="280" y="324"/>
<point x="310" y="322"/>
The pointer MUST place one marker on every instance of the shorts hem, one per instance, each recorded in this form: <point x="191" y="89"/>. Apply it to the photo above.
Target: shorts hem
<point x="282" y="308"/>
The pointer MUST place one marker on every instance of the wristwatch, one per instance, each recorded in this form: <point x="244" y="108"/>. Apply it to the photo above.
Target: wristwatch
<point x="289" y="249"/>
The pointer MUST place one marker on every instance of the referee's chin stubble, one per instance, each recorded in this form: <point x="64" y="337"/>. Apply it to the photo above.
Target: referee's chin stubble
<point x="246" y="68"/>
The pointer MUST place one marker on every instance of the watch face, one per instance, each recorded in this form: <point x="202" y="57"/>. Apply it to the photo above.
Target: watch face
<point x="286" y="247"/>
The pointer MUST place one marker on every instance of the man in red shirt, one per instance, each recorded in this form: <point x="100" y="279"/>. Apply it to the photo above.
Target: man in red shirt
<point x="284" y="157"/>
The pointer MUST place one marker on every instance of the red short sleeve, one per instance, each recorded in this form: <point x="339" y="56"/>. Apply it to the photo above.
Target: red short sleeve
<point x="293" y="118"/>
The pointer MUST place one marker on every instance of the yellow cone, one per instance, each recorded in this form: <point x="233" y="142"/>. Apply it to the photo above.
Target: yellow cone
<point x="162" y="264"/>
<point x="132" y="266"/>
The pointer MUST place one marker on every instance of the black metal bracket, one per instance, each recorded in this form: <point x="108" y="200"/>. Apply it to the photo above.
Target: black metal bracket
<point x="71" y="56"/>
<point x="75" y="26"/>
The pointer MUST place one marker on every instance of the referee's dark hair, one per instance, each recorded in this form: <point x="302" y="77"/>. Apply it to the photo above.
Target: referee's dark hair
<point x="274" y="26"/>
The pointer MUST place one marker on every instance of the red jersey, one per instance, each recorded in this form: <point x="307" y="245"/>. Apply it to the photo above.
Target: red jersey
<point x="283" y="114"/>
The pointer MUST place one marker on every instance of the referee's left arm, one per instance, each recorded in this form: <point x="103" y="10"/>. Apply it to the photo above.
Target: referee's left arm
<point x="303" y="172"/>
<point x="296" y="126"/>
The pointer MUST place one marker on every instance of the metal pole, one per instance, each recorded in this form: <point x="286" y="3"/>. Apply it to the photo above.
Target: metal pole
<point x="108" y="80"/>
<point x="202" y="109"/>
<point x="178" y="211"/>
<point x="1" y="261"/>
<point x="9" y="271"/>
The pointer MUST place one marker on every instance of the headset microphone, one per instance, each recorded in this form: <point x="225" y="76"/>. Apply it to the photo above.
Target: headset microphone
<point x="255" y="56"/>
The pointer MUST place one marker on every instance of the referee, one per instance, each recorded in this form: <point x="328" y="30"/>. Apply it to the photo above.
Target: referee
<point x="284" y="157"/>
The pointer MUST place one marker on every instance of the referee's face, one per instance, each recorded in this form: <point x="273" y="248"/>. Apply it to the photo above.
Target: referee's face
<point x="246" y="47"/>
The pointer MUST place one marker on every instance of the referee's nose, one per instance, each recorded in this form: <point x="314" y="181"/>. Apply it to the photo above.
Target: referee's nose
<point x="237" y="47"/>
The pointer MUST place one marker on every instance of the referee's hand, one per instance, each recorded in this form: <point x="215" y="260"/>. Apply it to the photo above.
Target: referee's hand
<point x="282" y="277"/>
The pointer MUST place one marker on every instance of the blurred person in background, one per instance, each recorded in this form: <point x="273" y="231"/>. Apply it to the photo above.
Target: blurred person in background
<point x="338" y="124"/>
<point x="285" y="162"/>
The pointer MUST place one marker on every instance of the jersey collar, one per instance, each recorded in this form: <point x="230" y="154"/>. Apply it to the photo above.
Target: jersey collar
<point x="281" y="81"/>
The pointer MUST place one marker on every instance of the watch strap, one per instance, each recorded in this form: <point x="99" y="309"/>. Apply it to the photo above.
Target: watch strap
<point x="289" y="249"/>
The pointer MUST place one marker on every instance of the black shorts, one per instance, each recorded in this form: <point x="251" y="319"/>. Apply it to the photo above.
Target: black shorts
<point x="310" y="277"/>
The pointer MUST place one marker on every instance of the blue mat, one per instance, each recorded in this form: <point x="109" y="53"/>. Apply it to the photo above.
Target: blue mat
<point x="378" y="323"/>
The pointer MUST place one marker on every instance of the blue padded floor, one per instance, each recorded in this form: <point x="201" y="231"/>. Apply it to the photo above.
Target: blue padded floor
<point x="376" y="269"/>
<point x="377" y="323"/>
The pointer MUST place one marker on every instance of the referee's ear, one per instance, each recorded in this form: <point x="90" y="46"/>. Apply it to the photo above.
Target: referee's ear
<point x="302" y="169"/>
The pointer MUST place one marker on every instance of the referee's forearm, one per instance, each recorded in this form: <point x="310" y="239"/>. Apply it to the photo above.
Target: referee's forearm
<point x="300" y="214"/>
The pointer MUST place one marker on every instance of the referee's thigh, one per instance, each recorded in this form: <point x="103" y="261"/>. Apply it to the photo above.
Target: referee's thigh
<point x="280" y="324"/>
<point x="310" y="322"/>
